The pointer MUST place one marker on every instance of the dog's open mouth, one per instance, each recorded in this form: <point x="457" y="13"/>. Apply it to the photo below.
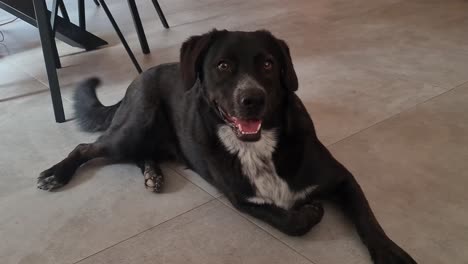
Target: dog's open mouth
<point x="245" y="129"/>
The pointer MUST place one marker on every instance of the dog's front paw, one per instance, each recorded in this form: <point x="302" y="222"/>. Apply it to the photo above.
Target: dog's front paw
<point x="390" y="253"/>
<point x="48" y="180"/>
<point x="314" y="212"/>
<point x="305" y="217"/>
<point x="154" y="178"/>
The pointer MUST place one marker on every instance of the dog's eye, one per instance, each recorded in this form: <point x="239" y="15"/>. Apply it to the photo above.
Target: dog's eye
<point x="224" y="66"/>
<point x="268" y="65"/>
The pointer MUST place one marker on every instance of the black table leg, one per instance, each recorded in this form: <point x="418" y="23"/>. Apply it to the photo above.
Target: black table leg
<point x="138" y="26"/>
<point x="160" y="13"/>
<point x="121" y="37"/>
<point x="47" y="42"/>
<point x="81" y="14"/>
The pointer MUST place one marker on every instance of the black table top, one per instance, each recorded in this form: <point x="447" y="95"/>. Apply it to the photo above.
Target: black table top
<point x="65" y="30"/>
<point x="23" y="8"/>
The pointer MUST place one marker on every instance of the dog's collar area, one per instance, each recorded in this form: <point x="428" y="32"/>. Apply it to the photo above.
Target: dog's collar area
<point x="245" y="129"/>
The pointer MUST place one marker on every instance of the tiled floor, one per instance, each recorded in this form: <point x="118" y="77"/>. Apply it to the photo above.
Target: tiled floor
<point x="386" y="82"/>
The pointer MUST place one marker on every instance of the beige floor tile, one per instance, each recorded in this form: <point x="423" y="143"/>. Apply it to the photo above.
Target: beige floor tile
<point x="14" y="83"/>
<point x="415" y="40"/>
<point x="196" y="179"/>
<point x="212" y="233"/>
<point x="343" y="99"/>
<point x="419" y="40"/>
<point x="413" y="168"/>
<point x="18" y="36"/>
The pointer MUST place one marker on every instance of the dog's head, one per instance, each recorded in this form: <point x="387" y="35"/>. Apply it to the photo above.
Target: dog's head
<point x="245" y="77"/>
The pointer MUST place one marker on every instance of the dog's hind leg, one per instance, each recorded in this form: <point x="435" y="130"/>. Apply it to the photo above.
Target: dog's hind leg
<point x="154" y="177"/>
<point x="61" y="173"/>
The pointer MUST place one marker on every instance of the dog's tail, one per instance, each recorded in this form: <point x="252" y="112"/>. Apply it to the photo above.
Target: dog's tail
<point x="91" y="114"/>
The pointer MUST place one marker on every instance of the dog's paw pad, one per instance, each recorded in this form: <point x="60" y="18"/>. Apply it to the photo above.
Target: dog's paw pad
<point x="48" y="183"/>
<point x="153" y="181"/>
<point x="149" y="183"/>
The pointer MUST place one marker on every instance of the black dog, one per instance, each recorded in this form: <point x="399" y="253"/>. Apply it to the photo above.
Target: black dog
<point x="229" y="112"/>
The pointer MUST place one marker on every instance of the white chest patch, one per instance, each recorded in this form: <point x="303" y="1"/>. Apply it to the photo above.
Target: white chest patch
<point x="257" y="165"/>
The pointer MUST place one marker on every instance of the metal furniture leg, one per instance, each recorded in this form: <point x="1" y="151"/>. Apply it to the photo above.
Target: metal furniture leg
<point x="121" y="37"/>
<point x="63" y="10"/>
<point x="54" y="13"/>
<point x="47" y="41"/>
<point x="97" y="2"/>
<point x="160" y="13"/>
<point x="53" y="16"/>
<point x="138" y="26"/>
<point x="81" y="14"/>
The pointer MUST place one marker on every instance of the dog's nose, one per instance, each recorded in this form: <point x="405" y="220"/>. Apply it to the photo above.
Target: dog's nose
<point x="253" y="98"/>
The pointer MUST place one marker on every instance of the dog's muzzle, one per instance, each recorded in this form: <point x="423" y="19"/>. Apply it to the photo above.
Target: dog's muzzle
<point x="246" y="129"/>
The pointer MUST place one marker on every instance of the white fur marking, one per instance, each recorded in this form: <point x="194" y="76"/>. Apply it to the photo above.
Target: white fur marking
<point x="257" y="165"/>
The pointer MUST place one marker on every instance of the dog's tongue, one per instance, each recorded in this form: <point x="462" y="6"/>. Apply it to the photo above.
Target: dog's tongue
<point x="251" y="126"/>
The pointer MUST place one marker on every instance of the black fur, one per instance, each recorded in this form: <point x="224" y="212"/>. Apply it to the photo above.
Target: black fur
<point x="91" y="115"/>
<point x="173" y="111"/>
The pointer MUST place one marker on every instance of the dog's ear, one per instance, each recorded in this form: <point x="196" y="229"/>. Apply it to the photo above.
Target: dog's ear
<point x="192" y="53"/>
<point x="288" y="74"/>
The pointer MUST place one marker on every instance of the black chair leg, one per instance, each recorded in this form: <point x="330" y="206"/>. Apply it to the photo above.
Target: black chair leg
<point x="47" y="43"/>
<point x="160" y="13"/>
<point x="138" y="26"/>
<point x="121" y="37"/>
<point x="81" y="14"/>
<point x="63" y="10"/>
<point x="97" y="2"/>
<point x="54" y="14"/>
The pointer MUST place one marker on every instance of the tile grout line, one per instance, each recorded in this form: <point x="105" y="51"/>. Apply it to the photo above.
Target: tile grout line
<point x="397" y="114"/>
<point x="265" y="231"/>
<point x="143" y="231"/>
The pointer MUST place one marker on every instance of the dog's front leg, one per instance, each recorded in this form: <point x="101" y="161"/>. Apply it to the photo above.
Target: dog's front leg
<point x="350" y="197"/>
<point x="294" y="222"/>
<point x="339" y="185"/>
